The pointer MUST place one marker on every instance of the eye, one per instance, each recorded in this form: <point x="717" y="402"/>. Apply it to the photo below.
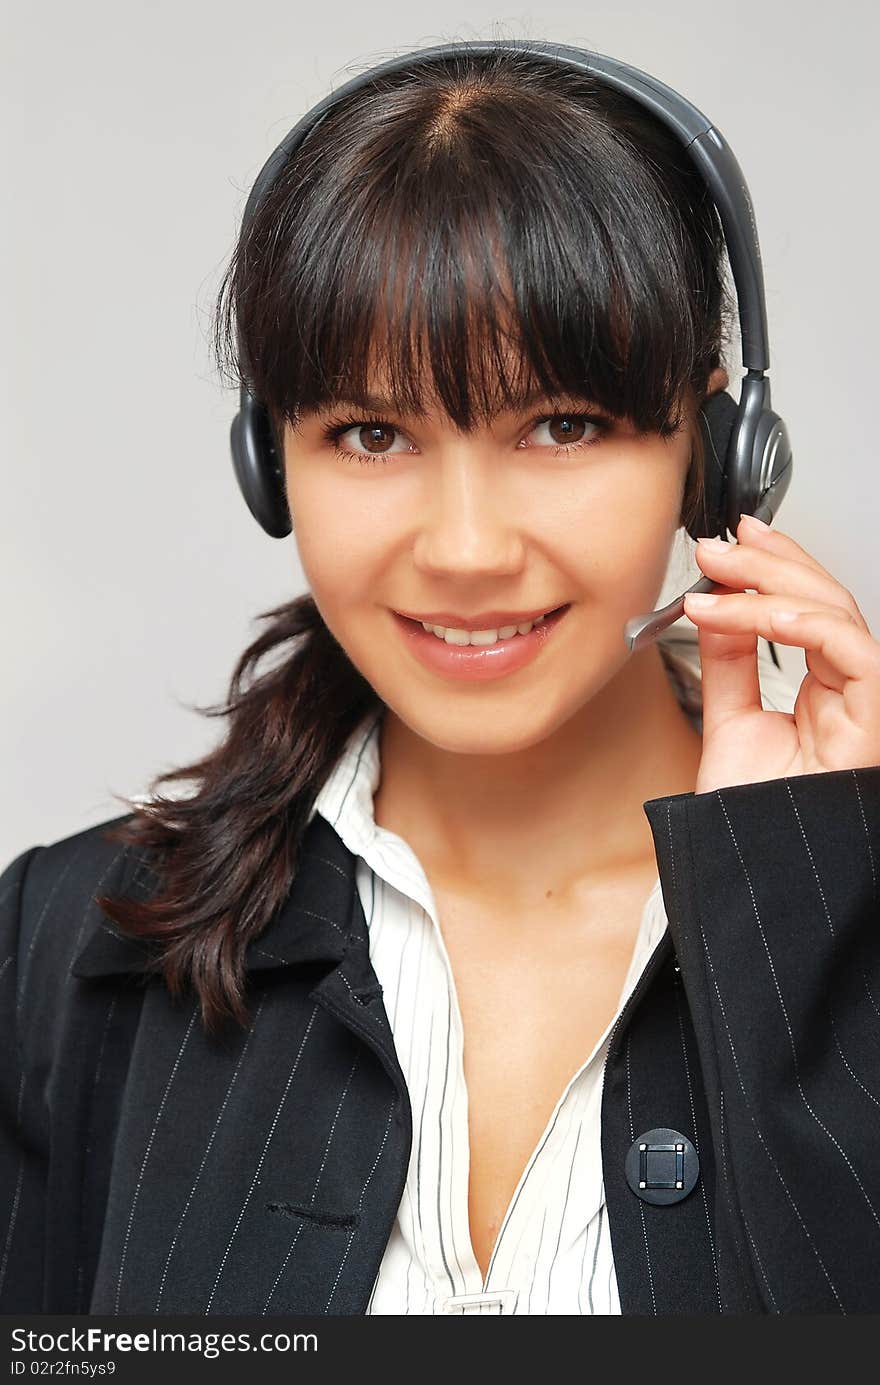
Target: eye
<point x="567" y="431"/>
<point x="371" y="433"/>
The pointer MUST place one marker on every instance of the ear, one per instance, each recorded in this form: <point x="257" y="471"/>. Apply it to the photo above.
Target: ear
<point x="718" y="380"/>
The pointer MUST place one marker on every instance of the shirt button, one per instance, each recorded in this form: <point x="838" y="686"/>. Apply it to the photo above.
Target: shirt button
<point x="662" y="1166"/>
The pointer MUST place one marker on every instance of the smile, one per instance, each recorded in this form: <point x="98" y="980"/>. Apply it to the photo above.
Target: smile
<point x="478" y="654"/>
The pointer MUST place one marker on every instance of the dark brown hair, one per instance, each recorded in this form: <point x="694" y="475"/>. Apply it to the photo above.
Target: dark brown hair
<point x="448" y="211"/>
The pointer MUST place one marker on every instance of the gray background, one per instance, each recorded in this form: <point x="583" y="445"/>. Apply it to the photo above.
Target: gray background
<point x="132" y="570"/>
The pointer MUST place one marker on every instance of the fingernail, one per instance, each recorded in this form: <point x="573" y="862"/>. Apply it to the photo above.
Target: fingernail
<point x="716" y="545"/>
<point x="752" y="519"/>
<point x="701" y="600"/>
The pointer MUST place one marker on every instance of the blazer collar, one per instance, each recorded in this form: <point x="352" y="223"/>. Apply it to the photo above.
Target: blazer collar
<point x="318" y="921"/>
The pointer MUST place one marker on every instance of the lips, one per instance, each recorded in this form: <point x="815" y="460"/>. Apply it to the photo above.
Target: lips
<point x="478" y="662"/>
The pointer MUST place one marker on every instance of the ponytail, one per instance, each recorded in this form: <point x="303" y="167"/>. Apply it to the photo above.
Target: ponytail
<point x="226" y="855"/>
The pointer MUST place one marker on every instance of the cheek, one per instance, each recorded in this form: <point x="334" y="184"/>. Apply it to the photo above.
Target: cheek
<point x="617" y="542"/>
<point x="345" y="539"/>
<point x="339" y="536"/>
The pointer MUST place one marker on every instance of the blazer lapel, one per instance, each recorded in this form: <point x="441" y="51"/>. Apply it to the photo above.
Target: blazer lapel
<point x="260" y="1172"/>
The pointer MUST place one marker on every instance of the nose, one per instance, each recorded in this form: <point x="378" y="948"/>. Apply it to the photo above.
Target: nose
<point x="469" y="522"/>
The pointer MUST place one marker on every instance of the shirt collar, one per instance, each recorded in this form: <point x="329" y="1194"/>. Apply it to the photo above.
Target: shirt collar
<point x="346" y="798"/>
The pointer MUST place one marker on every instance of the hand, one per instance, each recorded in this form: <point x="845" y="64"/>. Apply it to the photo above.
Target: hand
<point x="836" y="719"/>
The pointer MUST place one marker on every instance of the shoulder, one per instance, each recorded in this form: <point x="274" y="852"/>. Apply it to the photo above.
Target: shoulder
<point x="47" y="901"/>
<point x="66" y="866"/>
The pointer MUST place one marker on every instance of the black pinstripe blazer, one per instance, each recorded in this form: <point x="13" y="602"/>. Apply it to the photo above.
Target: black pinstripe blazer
<point x="147" y="1169"/>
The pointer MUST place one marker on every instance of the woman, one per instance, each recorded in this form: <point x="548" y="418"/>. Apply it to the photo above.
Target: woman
<point x="371" y="986"/>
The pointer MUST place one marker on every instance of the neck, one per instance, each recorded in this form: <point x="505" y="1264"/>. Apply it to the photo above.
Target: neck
<point x="572" y="802"/>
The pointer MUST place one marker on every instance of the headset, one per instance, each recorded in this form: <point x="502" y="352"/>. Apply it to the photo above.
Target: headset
<point x="748" y="453"/>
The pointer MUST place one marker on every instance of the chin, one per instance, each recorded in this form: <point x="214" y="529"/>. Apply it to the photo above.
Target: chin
<point x="475" y="728"/>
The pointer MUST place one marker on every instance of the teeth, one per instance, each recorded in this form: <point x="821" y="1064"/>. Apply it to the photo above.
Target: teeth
<point x="482" y="637"/>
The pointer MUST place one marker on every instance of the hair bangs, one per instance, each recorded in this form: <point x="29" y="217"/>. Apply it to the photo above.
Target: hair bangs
<point x="468" y="240"/>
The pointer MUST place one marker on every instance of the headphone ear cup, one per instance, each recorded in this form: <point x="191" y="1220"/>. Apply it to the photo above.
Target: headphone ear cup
<point x="716" y="416"/>
<point x="257" y="468"/>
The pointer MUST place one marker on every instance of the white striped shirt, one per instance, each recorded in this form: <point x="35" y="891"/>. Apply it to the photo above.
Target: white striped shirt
<point x="553" y="1249"/>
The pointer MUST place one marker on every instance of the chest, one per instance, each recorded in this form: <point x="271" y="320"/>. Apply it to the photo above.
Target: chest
<point x="536" y="990"/>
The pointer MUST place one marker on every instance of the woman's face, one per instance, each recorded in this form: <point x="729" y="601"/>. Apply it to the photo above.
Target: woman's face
<point x="419" y="518"/>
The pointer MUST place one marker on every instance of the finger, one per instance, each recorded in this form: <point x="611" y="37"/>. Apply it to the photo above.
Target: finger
<point x="729" y="677"/>
<point x="841" y="649"/>
<point x="770" y="572"/>
<point x="839" y="654"/>
<point x="762" y="536"/>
